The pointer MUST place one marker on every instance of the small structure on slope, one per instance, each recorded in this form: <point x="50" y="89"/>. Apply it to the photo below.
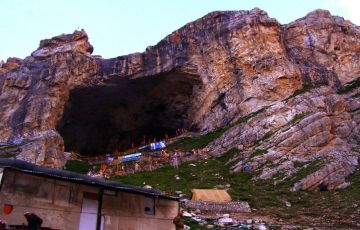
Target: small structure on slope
<point x="210" y="195"/>
<point x="215" y="200"/>
<point x="67" y="200"/>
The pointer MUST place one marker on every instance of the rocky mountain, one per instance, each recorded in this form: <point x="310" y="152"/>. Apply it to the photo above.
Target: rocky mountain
<point x="286" y="96"/>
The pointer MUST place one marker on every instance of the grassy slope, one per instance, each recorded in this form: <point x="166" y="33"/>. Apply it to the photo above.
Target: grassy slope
<point x="267" y="198"/>
<point x="80" y="166"/>
<point x="187" y="143"/>
<point x="333" y="206"/>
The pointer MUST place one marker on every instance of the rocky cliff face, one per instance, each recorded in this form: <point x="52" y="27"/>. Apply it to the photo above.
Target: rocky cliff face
<point x="34" y="92"/>
<point x="286" y="95"/>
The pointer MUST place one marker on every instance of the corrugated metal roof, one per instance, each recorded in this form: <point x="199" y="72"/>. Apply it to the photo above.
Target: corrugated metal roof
<point x="30" y="168"/>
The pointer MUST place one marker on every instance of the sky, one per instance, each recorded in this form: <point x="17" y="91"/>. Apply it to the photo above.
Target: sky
<point x="120" y="27"/>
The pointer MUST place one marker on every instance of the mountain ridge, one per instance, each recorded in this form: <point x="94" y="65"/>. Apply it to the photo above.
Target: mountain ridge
<point x="296" y="85"/>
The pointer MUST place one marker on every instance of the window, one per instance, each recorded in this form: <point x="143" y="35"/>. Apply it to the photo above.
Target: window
<point x="149" y="206"/>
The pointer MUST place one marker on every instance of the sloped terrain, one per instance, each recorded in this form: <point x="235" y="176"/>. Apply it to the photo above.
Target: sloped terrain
<point x="268" y="199"/>
<point x="286" y="97"/>
<point x="318" y="125"/>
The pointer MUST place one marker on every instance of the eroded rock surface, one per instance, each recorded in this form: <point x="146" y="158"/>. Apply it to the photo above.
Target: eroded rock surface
<point x="33" y="95"/>
<point x="287" y="95"/>
<point x="317" y="129"/>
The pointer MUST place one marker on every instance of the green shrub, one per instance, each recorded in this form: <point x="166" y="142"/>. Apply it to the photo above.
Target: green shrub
<point x="263" y="138"/>
<point x="350" y="86"/>
<point x="193" y="224"/>
<point x="258" y="152"/>
<point x="77" y="166"/>
<point x="304" y="89"/>
<point x="249" y="116"/>
<point x="187" y="143"/>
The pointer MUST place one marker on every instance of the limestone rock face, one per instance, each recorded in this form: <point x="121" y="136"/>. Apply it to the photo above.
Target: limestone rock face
<point x="287" y="96"/>
<point x="32" y="97"/>
<point x="326" y="44"/>
<point x="316" y="129"/>
<point x="10" y="64"/>
<point x="239" y="56"/>
<point x="44" y="148"/>
<point x="76" y="42"/>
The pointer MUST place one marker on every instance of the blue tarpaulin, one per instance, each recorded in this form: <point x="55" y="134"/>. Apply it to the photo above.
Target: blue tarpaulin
<point x="109" y="158"/>
<point x="131" y="157"/>
<point x="157" y="145"/>
<point x="143" y="147"/>
<point x="247" y="168"/>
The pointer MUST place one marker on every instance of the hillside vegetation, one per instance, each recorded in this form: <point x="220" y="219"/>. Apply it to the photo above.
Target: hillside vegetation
<point x="340" y="207"/>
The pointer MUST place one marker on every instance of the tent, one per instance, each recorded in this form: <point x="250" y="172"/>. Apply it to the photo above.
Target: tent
<point x="210" y="195"/>
<point x="157" y="145"/>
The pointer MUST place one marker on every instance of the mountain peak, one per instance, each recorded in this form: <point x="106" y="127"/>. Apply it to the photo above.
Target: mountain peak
<point x="77" y="41"/>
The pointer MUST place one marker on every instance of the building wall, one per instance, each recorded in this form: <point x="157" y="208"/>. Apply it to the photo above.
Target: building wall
<point x="59" y="203"/>
<point x="126" y="211"/>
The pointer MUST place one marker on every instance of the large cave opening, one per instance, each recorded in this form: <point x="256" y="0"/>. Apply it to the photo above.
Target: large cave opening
<point x="119" y="113"/>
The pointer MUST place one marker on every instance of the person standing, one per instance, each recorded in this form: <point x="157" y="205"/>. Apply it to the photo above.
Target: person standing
<point x="137" y="167"/>
<point x="150" y="163"/>
<point x="175" y="160"/>
<point x="3" y="225"/>
<point x="34" y="221"/>
<point x="178" y="221"/>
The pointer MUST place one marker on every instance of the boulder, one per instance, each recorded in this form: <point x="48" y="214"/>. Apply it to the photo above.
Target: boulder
<point x="75" y="42"/>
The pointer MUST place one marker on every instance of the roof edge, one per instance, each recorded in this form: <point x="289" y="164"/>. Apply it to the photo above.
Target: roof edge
<point x="64" y="175"/>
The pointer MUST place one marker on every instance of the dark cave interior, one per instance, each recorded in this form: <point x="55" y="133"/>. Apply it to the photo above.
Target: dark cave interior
<point x="120" y="112"/>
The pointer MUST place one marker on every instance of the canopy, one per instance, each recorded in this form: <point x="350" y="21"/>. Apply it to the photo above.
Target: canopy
<point x="131" y="157"/>
<point x="157" y="145"/>
<point x="210" y="195"/>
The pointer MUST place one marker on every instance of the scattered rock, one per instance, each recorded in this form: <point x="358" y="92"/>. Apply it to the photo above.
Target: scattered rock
<point x="236" y="206"/>
<point x="287" y="204"/>
<point x="197" y="211"/>
<point x="260" y="227"/>
<point x="197" y="219"/>
<point x="186" y="214"/>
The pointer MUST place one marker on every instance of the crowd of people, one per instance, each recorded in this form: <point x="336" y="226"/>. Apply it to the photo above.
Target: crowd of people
<point x="146" y="157"/>
<point x="148" y="161"/>
<point x="143" y="158"/>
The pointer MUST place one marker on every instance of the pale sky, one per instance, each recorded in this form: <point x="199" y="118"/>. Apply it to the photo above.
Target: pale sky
<point x="119" y="27"/>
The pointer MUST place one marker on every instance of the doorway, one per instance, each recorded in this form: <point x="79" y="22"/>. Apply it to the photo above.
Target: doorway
<point x="89" y="212"/>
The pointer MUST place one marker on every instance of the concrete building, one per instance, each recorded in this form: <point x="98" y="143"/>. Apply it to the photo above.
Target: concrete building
<point x="67" y="200"/>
